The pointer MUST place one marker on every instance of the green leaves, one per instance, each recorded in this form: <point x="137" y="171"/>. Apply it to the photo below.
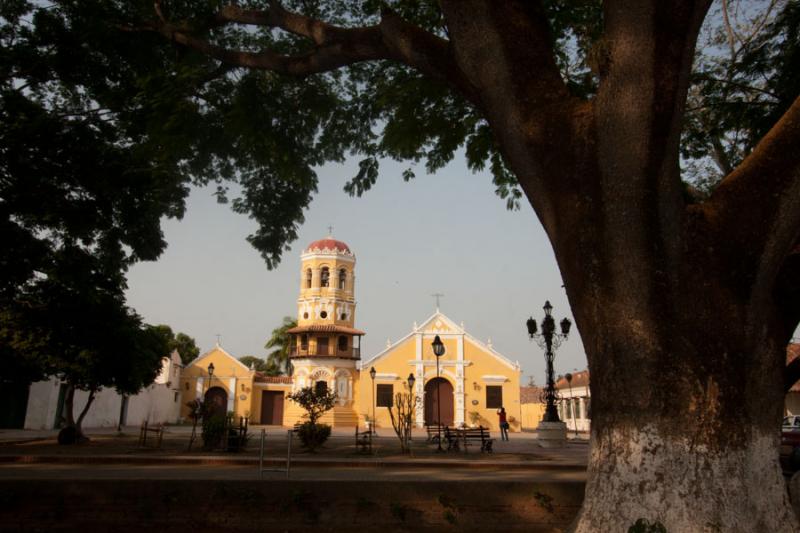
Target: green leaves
<point x="744" y="80"/>
<point x="280" y="341"/>
<point x="365" y="179"/>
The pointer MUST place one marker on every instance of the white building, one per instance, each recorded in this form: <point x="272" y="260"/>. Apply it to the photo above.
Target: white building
<point x="575" y="407"/>
<point x="158" y="403"/>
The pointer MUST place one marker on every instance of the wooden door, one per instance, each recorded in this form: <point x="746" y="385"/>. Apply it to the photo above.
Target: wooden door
<point x="218" y="398"/>
<point x="272" y="408"/>
<point x="435" y="389"/>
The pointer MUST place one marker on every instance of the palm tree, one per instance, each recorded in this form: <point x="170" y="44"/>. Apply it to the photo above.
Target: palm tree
<point x="280" y="341"/>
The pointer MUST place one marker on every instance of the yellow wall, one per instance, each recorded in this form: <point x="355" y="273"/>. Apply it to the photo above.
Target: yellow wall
<point x="394" y="365"/>
<point x="475" y="387"/>
<point x="532" y="414"/>
<point x="226" y="368"/>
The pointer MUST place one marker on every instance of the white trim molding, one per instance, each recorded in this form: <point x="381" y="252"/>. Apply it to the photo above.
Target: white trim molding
<point x="494" y="379"/>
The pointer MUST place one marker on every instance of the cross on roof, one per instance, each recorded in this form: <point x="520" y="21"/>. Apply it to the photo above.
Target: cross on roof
<point x="330" y="231"/>
<point x="218" y="338"/>
<point x="437" y="295"/>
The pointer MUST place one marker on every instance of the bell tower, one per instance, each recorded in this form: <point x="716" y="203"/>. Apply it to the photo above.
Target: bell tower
<point x="325" y="345"/>
<point x="327" y="285"/>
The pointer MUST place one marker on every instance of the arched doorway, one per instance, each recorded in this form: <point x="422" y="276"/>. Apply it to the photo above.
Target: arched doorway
<point x="217" y="398"/>
<point x="445" y="392"/>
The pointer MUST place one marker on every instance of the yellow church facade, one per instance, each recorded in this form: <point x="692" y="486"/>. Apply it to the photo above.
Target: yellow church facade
<point x="325" y="350"/>
<point x="473" y="381"/>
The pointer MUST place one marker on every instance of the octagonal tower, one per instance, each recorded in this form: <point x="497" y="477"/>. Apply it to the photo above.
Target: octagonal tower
<point x="325" y="345"/>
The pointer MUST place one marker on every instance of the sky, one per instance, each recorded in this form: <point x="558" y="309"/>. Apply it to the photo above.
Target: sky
<point x="444" y="233"/>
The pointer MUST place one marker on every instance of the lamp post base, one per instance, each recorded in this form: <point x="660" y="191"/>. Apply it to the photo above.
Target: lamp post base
<point x="551" y="434"/>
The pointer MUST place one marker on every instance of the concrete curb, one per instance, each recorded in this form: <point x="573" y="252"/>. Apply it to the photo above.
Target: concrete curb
<point x="253" y="461"/>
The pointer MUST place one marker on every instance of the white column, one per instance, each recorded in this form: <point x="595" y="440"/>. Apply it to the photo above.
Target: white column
<point x="421" y="403"/>
<point x="420" y="376"/>
<point x="232" y="393"/>
<point x="460" y="414"/>
<point x="198" y="388"/>
<point x="582" y="401"/>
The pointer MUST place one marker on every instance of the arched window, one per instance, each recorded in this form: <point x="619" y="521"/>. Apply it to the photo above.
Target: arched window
<point x="325" y="277"/>
<point x="342" y="278"/>
<point x="308" y="278"/>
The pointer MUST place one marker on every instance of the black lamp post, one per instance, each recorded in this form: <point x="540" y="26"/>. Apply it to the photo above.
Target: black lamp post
<point x="568" y="377"/>
<point x="549" y="341"/>
<point x="438" y="351"/>
<point x="372" y="377"/>
<point x="411" y="379"/>
<point x="210" y="375"/>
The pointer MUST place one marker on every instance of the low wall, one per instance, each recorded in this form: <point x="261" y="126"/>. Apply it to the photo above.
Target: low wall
<point x="203" y="505"/>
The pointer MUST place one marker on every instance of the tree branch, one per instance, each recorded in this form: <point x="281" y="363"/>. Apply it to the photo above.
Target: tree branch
<point x="334" y="47"/>
<point x="756" y="208"/>
<point x="791" y="374"/>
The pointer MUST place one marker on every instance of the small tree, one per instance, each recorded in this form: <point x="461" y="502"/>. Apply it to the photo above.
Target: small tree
<point x="402" y="415"/>
<point x="316" y="403"/>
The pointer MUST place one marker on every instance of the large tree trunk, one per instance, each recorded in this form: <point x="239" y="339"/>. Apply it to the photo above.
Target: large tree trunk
<point x="682" y="435"/>
<point x="656" y="475"/>
<point x="686" y="351"/>
<point x="73" y="424"/>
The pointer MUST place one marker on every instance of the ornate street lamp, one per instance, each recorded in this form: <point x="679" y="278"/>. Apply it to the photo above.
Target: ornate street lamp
<point x="438" y="351"/>
<point x="549" y="341"/>
<point x="568" y="377"/>
<point x="372" y="377"/>
<point x="210" y="375"/>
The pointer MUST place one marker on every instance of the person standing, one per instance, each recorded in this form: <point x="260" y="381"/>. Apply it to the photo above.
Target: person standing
<point x="501" y="414"/>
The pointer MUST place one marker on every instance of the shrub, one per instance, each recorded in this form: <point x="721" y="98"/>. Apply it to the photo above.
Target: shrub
<point x="315" y="402"/>
<point x="313" y="435"/>
<point x="213" y="431"/>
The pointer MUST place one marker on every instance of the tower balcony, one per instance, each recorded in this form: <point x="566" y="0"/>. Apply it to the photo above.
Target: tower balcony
<point x="325" y="351"/>
<point x="325" y="340"/>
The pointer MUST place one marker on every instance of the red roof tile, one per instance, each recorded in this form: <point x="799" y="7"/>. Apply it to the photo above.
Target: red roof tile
<point x="261" y="378"/>
<point x="325" y="328"/>
<point x="328" y="244"/>
<point x="530" y="394"/>
<point x="579" y="379"/>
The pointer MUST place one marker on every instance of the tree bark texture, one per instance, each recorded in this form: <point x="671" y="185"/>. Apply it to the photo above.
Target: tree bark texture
<point x="679" y="305"/>
<point x="69" y="414"/>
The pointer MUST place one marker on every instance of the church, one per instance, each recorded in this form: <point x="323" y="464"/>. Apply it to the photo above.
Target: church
<point x="473" y="380"/>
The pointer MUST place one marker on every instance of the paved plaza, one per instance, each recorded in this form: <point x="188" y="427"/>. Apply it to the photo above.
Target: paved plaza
<point x="117" y="455"/>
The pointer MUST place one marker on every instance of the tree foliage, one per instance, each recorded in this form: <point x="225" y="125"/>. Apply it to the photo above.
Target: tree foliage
<point x="81" y="199"/>
<point x="315" y="402"/>
<point x="280" y="343"/>
<point x="251" y="361"/>
<point x="745" y="78"/>
<point x="186" y="346"/>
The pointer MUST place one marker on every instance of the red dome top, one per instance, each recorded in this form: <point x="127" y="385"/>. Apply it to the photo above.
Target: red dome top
<point x="329" y="244"/>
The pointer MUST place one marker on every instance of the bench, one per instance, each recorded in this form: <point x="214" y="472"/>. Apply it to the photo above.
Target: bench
<point x="145" y="429"/>
<point x="434" y="430"/>
<point x="467" y="436"/>
<point x="364" y="440"/>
